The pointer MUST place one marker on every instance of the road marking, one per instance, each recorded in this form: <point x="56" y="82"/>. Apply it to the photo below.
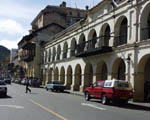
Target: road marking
<point x="48" y="110"/>
<point x="12" y="106"/>
<point x="93" y="106"/>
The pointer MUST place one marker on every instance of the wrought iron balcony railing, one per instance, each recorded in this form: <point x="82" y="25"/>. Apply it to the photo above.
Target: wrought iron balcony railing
<point x="120" y="40"/>
<point x="98" y="45"/>
<point x="145" y="33"/>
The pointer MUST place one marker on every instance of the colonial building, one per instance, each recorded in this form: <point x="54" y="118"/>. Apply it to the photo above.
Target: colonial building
<point x="112" y="42"/>
<point x="47" y="23"/>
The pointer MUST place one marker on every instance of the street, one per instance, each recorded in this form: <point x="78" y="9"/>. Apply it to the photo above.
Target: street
<point x="46" y="105"/>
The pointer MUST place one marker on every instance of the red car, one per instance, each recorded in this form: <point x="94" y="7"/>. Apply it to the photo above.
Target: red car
<point x="110" y="90"/>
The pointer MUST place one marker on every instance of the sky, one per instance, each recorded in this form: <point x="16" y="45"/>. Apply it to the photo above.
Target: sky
<point x="16" y="17"/>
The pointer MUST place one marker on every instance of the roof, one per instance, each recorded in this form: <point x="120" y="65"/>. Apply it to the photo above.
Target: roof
<point x="34" y="33"/>
<point x="52" y="8"/>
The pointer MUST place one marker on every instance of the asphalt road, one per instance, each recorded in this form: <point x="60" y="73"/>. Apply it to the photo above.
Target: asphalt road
<point x="45" y="105"/>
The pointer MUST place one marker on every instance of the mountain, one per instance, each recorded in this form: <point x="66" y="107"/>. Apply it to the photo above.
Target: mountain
<point x="4" y="52"/>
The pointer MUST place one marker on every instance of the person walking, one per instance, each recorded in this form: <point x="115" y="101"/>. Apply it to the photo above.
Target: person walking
<point x="27" y="86"/>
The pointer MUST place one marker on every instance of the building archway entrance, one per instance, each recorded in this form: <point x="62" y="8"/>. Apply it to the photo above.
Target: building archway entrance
<point x="69" y="78"/>
<point x="56" y="74"/>
<point x="101" y="71"/>
<point x="62" y="75"/>
<point x="88" y="75"/>
<point x="50" y="75"/>
<point x="142" y="82"/>
<point x="119" y="69"/>
<point x="78" y="80"/>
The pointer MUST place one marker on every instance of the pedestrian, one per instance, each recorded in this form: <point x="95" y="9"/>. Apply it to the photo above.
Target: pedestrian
<point x="27" y="86"/>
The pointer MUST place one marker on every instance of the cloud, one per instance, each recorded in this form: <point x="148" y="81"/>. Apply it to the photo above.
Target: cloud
<point x="11" y="27"/>
<point x="16" y="10"/>
<point x="10" y="43"/>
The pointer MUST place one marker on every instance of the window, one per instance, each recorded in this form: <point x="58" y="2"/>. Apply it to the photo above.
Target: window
<point x="99" y="84"/>
<point x="108" y="84"/>
<point x="78" y="14"/>
<point x="70" y="13"/>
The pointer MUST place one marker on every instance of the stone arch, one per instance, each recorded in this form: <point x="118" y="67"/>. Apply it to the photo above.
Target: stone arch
<point x="105" y="35"/>
<point x="92" y="39"/>
<point x="54" y="53"/>
<point x="69" y="78"/>
<point x="121" y="31"/>
<point x="101" y="71"/>
<point x="81" y="43"/>
<point x="58" y="52"/>
<point x="145" y="23"/>
<point x="78" y="77"/>
<point x="56" y="74"/>
<point x="142" y="78"/>
<point x="88" y="75"/>
<point x="65" y="50"/>
<point x="62" y="74"/>
<point x="73" y="47"/>
<point x="119" y="69"/>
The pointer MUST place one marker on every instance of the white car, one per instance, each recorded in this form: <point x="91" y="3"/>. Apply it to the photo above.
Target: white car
<point x="55" y="85"/>
<point x="3" y="88"/>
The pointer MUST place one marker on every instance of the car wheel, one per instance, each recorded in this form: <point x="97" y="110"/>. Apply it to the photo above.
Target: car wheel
<point x="123" y="102"/>
<point x="52" y="90"/>
<point x="87" y="97"/>
<point x="46" y="88"/>
<point x="104" y="99"/>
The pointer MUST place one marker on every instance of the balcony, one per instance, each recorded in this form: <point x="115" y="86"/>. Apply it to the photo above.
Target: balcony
<point x="28" y="52"/>
<point x="95" y="46"/>
<point x="120" y="40"/>
<point x="145" y="33"/>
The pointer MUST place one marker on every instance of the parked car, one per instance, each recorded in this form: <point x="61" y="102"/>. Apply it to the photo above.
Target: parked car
<point x="7" y="80"/>
<point x="110" y="90"/>
<point x="55" y="85"/>
<point x="3" y="88"/>
<point x="23" y="82"/>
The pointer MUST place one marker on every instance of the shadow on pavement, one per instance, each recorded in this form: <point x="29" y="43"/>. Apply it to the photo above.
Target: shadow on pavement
<point x="134" y="107"/>
<point x="130" y="106"/>
<point x="5" y="97"/>
<point x="32" y="93"/>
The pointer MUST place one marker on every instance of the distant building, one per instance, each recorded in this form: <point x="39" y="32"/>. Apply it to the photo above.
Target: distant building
<point x="13" y="53"/>
<point x="60" y="15"/>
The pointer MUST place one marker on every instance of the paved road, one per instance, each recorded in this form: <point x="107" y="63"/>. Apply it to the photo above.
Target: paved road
<point x="46" y="105"/>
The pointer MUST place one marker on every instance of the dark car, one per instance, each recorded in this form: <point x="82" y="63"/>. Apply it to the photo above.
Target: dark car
<point x="7" y="80"/>
<point x="3" y="88"/>
<point x="55" y="85"/>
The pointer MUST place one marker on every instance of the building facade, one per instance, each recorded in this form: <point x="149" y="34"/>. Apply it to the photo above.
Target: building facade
<point x="112" y="42"/>
<point x="13" y="53"/>
<point x="47" y="23"/>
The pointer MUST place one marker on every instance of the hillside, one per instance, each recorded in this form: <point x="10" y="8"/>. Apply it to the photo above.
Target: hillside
<point x="4" y="52"/>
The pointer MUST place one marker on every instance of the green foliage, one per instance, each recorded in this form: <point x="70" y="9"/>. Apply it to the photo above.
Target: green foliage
<point x="4" y="52"/>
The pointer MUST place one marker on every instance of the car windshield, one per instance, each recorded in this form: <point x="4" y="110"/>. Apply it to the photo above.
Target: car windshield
<point x="57" y="82"/>
<point x="2" y="83"/>
<point x="123" y="85"/>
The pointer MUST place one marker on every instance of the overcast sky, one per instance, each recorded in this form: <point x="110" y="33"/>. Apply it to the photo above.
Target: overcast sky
<point x="16" y="16"/>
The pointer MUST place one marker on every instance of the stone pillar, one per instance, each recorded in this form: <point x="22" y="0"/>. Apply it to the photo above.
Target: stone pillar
<point x="94" y="78"/>
<point x="139" y="87"/>
<point x="109" y="76"/>
<point x="82" y="87"/>
<point x="73" y="82"/>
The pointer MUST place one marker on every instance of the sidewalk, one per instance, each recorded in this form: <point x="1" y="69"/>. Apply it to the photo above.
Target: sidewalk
<point x="138" y="105"/>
